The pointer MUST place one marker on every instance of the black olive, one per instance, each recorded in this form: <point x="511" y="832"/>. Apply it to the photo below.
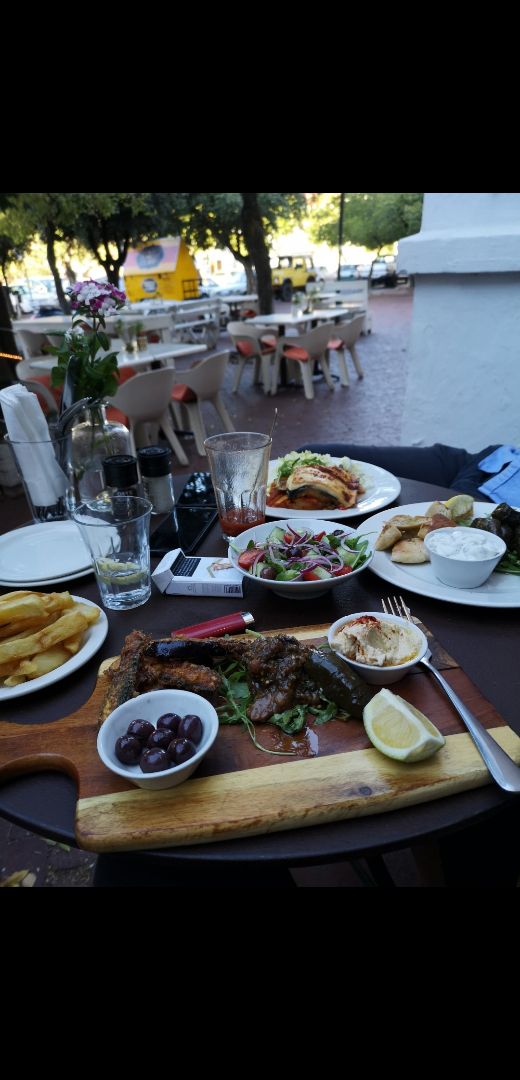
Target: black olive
<point x="128" y="749"/>
<point x="190" y="727"/>
<point x="154" y="760"/>
<point x="160" y="738"/>
<point x="142" y="729"/>
<point x="181" y="750"/>
<point x="169" y="722"/>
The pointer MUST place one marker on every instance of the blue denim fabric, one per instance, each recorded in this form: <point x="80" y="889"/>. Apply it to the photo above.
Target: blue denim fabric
<point x="505" y="485"/>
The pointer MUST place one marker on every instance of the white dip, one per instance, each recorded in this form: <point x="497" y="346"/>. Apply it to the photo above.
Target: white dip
<point x="376" y="642"/>
<point x="467" y="544"/>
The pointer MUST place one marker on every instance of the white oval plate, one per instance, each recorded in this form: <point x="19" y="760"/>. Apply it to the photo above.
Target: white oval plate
<point x="42" y="552"/>
<point x="41" y="583"/>
<point x="499" y="591"/>
<point x="382" y="489"/>
<point x="94" y="638"/>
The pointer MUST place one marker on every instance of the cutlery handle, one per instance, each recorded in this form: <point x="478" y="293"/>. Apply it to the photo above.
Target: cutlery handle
<point x="500" y="765"/>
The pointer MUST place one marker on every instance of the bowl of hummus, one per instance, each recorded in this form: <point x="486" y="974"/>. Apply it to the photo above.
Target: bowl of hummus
<point x="382" y="648"/>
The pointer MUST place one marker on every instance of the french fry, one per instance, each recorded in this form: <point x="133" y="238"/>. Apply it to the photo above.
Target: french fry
<point x="43" y="662"/>
<point x="73" y="645"/>
<point x="27" y="626"/>
<point x="69" y="625"/>
<point x="33" y="605"/>
<point x="91" y="613"/>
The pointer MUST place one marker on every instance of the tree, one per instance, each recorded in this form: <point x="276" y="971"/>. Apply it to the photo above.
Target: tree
<point x="229" y="219"/>
<point x="372" y="219"/>
<point x="110" y="223"/>
<point x="8" y="348"/>
<point x="51" y="217"/>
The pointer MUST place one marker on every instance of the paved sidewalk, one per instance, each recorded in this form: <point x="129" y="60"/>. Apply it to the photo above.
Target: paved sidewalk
<point x="368" y="411"/>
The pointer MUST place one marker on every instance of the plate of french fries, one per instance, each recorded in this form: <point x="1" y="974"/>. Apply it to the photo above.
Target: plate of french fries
<point x="44" y="637"/>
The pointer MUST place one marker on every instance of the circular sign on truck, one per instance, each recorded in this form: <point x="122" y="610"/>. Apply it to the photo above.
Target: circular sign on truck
<point x="149" y="285"/>
<point x="150" y="257"/>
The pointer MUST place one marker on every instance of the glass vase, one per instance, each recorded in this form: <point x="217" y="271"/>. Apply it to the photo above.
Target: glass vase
<point x="95" y="438"/>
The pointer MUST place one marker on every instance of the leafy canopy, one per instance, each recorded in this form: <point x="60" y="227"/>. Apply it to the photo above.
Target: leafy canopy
<point x="372" y="219"/>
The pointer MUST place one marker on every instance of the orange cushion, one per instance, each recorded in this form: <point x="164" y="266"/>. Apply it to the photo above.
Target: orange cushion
<point x="293" y="352"/>
<point x="115" y="414"/>
<point x="249" y="313"/>
<point x="336" y="343"/>
<point x="245" y="348"/>
<point x="181" y="392"/>
<point x="268" y="343"/>
<point x="125" y="374"/>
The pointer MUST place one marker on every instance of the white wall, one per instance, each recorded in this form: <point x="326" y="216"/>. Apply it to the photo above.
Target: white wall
<point x="463" y="384"/>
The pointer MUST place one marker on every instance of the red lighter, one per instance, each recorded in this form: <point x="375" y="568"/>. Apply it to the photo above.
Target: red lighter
<point x="226" y="624"/>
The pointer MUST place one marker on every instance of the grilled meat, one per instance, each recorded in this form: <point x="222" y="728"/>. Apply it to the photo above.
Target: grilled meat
<point x="172" y="675"/>
<point x="123" y="674"/>
<point x="335" y="486"/>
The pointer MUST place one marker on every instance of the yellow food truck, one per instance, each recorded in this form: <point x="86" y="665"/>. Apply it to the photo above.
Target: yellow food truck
<point x="161" y="270"/>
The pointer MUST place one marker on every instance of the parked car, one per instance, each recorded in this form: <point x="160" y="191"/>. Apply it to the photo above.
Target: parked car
<point x="21" y="300"/>
<point x="292" y="272"/>
<point x="384" y="272"/>
<point x="348" y="272"/>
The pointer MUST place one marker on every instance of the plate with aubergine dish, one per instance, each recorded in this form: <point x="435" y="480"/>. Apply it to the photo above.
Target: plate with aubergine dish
<point x="304" y="483"/>
<point x="401" y="557"/>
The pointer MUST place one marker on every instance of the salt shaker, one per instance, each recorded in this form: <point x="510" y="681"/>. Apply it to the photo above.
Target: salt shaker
<point x="121" y="475"/>
<point x="154" y="463"/>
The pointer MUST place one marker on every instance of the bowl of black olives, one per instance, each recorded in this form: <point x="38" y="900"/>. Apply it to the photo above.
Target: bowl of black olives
<point x="158" y="739"/>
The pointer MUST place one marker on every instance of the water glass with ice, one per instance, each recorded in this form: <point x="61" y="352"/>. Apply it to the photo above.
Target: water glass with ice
<point x="116" y="532"/>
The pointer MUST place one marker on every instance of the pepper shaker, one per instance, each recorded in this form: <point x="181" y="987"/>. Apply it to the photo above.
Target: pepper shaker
<point x="154" y="463"/>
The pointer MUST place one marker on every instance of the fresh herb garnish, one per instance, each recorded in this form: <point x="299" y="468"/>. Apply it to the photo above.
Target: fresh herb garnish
<point x="291" y="721"/>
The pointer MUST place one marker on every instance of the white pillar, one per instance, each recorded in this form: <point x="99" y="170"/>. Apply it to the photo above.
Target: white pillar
<point x="463" y="383"/>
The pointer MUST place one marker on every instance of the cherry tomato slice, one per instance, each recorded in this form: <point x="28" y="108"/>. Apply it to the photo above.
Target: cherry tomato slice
<point x="247" y="558"/>
<point x="344" y="570"/>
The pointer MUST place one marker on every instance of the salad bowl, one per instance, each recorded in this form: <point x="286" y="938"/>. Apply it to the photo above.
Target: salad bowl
<point x="300" y="558"/>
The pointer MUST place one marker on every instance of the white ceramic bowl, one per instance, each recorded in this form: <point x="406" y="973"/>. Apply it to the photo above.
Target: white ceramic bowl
<point x="150" y="707"/>
<point x="297" y="590"/>
<point x="460" y="571"/>
<point x="380" y="676"/>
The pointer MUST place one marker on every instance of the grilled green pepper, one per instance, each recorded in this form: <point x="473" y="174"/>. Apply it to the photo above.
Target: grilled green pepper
<point x="340" y="683"/>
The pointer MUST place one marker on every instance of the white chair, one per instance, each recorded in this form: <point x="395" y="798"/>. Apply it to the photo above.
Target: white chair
<point x="304" y="350"/>
<point x="343" y="337"/>
<point x="252" y="343"/>
<point x="145" y="400"/>
<point x="38" y="384"/>
<point x="203" y="383"/>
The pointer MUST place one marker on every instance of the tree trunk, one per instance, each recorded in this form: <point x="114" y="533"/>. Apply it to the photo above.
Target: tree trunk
<point x="7" y="342"/>
<point x="254" y="236"/>
<point x="249" y="269"/>
<point x="51" y="259"/>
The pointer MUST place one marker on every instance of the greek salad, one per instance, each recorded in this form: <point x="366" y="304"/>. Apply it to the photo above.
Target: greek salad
<point x="291" y="555"/>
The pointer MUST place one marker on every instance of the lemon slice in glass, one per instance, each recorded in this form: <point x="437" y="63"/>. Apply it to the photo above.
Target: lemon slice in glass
<point x="399" y="730"/>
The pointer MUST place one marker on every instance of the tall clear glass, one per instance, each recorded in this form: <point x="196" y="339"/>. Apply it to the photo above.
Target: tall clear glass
<point x="117" y="534"/>
<point x="47" y="476"/>
<point x="239" y="463"/>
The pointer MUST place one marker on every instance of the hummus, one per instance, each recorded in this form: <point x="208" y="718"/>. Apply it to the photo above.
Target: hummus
<point x="369" y="640"/>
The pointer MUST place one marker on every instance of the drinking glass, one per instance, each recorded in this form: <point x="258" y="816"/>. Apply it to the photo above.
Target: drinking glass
<point x="46" y="474"/>
<point x="238" y="462"/>
<point x="116" y="532"/>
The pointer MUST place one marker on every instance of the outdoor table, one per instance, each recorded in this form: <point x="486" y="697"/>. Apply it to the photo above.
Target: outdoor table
<point x="483" y="641"/>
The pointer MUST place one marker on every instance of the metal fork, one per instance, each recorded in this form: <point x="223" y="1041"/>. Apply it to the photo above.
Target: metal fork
<point x="500" y="765"/>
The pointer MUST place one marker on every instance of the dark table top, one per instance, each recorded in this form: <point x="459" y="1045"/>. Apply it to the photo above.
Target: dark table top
<point x="482" y="640"/>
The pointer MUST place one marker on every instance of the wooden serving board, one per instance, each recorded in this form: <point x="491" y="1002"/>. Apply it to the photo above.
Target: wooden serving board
<point x="239" y="791"/>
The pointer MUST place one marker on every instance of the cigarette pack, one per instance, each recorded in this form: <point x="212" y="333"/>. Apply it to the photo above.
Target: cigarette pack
<point x="181" y="575"/>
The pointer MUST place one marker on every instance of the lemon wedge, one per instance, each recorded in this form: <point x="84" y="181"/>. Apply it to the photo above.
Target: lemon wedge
<point x="460" y="507"/>
<point x="399" y="730"/>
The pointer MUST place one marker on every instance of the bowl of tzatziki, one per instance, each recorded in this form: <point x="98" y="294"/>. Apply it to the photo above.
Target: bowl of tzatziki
<point x="463" y="557"/>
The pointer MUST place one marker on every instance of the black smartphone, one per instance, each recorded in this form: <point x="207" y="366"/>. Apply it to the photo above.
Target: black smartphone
<point x="197" y="491"/>
<point x="185" y="528"/>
